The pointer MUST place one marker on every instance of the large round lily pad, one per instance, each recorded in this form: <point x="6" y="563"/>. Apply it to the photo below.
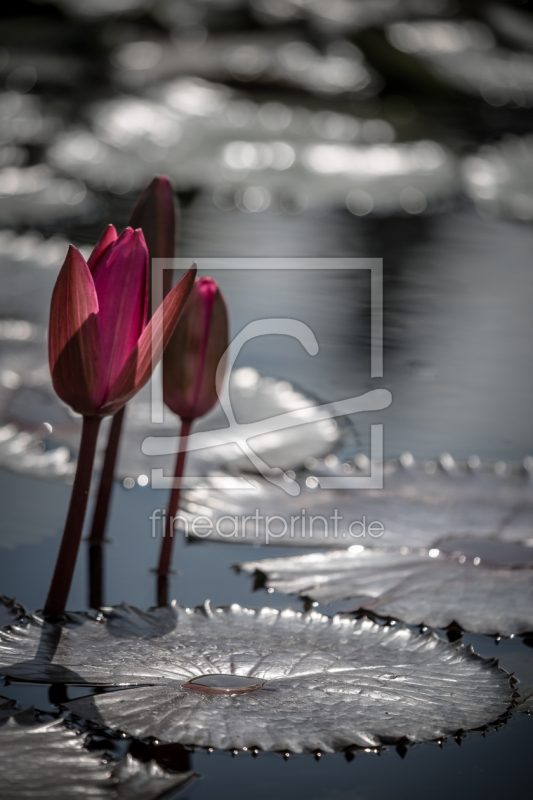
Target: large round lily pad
<point x="42" y="760"/>
<point x="435" y="590"/>
<point x="329" y="682"/>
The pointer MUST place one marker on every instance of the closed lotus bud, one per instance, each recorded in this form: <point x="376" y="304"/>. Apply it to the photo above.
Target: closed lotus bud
<point x="99" y="341"/>
<point x="192" y="357"/>
<point x="155" y="214"/>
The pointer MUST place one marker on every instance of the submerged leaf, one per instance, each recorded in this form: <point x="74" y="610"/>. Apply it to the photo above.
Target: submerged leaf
<point x="418" y="589"/>
<point x="48" y="760"/>
<point x="416" y="508"/>
<point x="328" y="682"/>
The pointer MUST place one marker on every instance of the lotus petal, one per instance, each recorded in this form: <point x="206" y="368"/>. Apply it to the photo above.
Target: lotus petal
<point x="47" y="759"/>
<point x="108" y="237"/>
<point x="330" y="682"/>
<point x="139" y="365"/>
<point x="155" y="214"/>
<point x="416" y="508"/>
<point x="121" y="280"/>
<point x="74" y="340"/>
<point x="434" y="590"/>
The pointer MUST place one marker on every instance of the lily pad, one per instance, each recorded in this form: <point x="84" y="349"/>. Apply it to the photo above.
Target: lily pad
<point x="525" y="702"/>
<point x="26" y="443"/>
<point x="10" y="611"/>
<point x="420" y="505"/>
<point x="435" y="590"/>
<point x="138" y="781"/>
<point x="322" y="683"/>
<point x="47" y="759"/>
<point x="22" y="447"/>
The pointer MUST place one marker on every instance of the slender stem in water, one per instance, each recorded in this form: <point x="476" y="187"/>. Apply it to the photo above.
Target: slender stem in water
<point x="96" y="539"/>
<point x="70" y="543"/>
<point x="106" y="479"/>
<point x="96" y="574"/>
<point x="165" y="556"/>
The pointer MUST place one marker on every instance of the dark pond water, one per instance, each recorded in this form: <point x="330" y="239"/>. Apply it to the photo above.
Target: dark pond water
<point x="458" y="360"/>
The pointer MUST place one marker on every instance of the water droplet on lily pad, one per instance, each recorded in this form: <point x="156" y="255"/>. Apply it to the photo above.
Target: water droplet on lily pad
<point x="224" y="684"/>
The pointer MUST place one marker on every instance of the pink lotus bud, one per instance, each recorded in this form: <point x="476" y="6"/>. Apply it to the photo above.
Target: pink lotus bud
<point x="199" y="342"/>
<point x="99" y="344"/>
<point x="155" y="214"/>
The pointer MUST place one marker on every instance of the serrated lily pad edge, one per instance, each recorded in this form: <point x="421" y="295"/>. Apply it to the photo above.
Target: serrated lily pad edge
<point x="262" y="580"/>
<point x="120" y="770"/>
<point x="207" y="609"/>
<point x="19" y="612"/>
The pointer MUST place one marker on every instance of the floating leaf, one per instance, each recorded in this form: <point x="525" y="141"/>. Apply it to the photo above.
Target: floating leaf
<point x="10" y="611"/>
<point x="327" y="683"/>
<point x="435" y="590"/>
<point x="525" y="702"/>
<point x="47" y="759"/>
<point x="137" y="781"/>
<point x="420" y="505"/>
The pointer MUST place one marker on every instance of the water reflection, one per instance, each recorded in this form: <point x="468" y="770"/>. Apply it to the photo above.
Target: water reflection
<point x="35" y="195"/>
<point x="318" y="121"/>
<point x="256" y="156"/>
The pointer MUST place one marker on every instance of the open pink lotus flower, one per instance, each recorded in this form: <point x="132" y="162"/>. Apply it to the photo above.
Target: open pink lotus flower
<point x="199" y="342"/>
<point x="101" y="348"/>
